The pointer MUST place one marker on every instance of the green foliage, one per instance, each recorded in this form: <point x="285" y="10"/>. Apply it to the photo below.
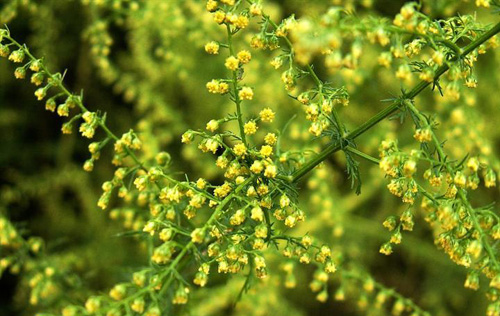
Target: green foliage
<point x="227" y="195"/>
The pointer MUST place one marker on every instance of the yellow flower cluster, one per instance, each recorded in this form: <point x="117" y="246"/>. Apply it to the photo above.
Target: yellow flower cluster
<point x="267" y="115"/>
<point x="246" y="93"/>
<point x="216" y="86"/>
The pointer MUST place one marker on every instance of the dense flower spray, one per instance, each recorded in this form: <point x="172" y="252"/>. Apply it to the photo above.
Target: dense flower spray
<point x="251" y="220"/>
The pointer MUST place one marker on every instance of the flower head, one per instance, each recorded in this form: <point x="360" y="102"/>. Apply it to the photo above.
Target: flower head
<point x="246" y="93"/>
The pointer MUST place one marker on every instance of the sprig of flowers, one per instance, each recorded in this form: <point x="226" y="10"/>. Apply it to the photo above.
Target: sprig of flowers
<point x="198" y="225"/>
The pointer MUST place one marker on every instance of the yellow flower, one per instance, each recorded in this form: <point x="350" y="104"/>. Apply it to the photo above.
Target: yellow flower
<point x="409" y="167"/>
<point x="271" y="171"/>
<point x="438" y="58"/>
<point x="212" y="48"/>
<point x="423" y="135"/>
<point x="231" y="18"/>
<point x="215" y="86"/>
<point x="181" y="296"/>
<point x="92" y="305"/>
<point x="490" y="179"/>
<point x="262" y="189"/>
<point x="219" y="17"/>
<point x="200" y="279"/>
<point x="305" y="258"/>
<point x="270" y="139"/>
<point x="276" y="62"/>
<point x="250" y="128"/>
<point x="138" y="305"/>
<point x="244" y="56"/>
<point x="20" y="73"/>
<point x="187" y="137"/>
<point x="17" y="56"/>
<point x="37" y="79"/>
<point x="240" y="149"/>
<point x="238" y="218"/>
<point x="257" y="214"/>
<point x="256" y="167"/>
<point x="266" y="150"/>
<point x="290" y="221"/>
<point x="197" y="235"/>
<point x="118" y="292"/>
<point x="223" y="87"/>
<point x="473" y="164"/>
<point x="209" y="145"/>
<point x="50" y="105"/>
<point x="62" y="109"/>
<point x="460" y="179"/>
<point x="403" y="72"/>
<point x="201" y="183"/>
<point x="385" y="59"/>
<point x="40" y="94"/>
<point x="483" y="3"/>
<point x="212" y="86"/>
<point x="232" y="63"/>
<point x="386" y="249"/>
<point x="256" y="9"/>
<point x="166" y="234"/>
<point x="36" y="66"/>
<point x="267" y="115"/>
<point x="246" y="93"/>
<point x="87" y="130"/>
<point x="284" y="201"/>
<point x="212" y="125"/>
<point x="407" y="11"/>
<point x="241" y="22"/>
<point x="223" y="190"/>
<point x="211" y="5"/>
<point x="471" y="83"/>
<point x="261" y="231"/>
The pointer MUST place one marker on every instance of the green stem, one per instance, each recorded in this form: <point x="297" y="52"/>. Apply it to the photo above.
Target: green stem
<point x="391" y="292"/>
<point x="461" y="192"/>
<point x="451" y="45"/>
<point x="315" y="77"/>
<point x="308" y="166"/>
<point x="319" y="83"/>
<point x="237" y="100"/>
<point x="210" y="221"/>
<point x="362" y="154"/>
<point x="83" y="109"/>
<point x="377" y="162"/>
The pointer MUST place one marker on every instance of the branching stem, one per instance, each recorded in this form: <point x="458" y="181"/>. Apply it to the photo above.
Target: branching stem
<point x="374" y="120"/>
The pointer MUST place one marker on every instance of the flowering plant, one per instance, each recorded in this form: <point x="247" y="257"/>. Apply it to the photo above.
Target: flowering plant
<point x="273" y="193"/>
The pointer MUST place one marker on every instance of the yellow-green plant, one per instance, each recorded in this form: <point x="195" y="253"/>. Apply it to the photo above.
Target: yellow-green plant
<point x="262" y="206"/>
